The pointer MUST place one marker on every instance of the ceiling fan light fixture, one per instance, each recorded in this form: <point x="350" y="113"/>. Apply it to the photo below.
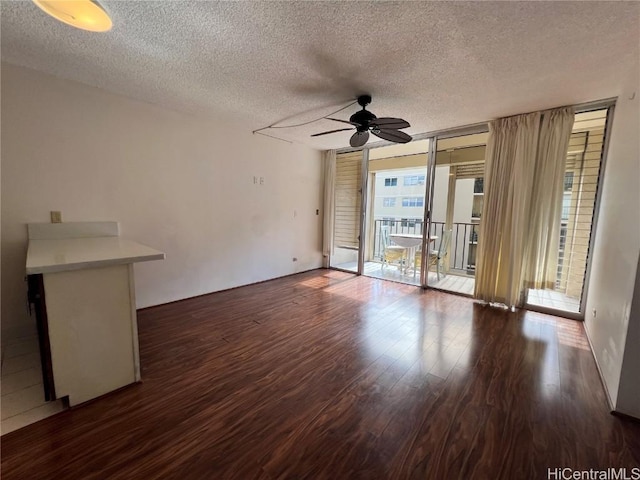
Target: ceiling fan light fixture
<point x="83" y="14"/>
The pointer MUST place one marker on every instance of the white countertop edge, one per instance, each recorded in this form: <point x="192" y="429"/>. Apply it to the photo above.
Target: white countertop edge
<point x="59" y="255"/>
<point x="93" y="264"/>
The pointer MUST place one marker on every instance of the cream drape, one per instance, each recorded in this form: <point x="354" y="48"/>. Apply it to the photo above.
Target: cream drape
<point x="509" y="166"/>
<point x="541" y="255"/>
<point x="329" y="167"/>
<point x="522" y="152"/>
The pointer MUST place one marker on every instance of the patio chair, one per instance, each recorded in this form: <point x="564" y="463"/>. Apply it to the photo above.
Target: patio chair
<point x="391" y="254"/>
<point x="436" y="257"/>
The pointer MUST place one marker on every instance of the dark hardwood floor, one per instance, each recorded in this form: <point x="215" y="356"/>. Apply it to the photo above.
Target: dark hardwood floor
<point x="326" y="375"/>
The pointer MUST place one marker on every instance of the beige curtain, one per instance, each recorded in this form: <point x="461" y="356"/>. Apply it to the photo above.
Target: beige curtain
<point x="541" y="253"/>
<point x="518" y="158"/>
<point x="329" y="166"/>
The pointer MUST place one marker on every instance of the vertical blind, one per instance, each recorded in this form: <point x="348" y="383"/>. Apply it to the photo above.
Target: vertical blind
<point x="347" y="199"/>
<point x="580" y="189"/>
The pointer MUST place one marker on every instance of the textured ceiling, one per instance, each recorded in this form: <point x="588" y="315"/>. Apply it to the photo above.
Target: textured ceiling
<point x="436" y="64"/>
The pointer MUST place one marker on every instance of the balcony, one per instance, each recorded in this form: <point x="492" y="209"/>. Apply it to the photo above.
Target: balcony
<point x="459" y="269"/>
<point x="459" y="266"/>
<point x="464" y="238"/>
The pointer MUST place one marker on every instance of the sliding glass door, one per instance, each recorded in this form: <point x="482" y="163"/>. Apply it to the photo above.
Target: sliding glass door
<point x="417" y="210"/>
<point x="458" y="182"/>
<point x="395" y="217"/>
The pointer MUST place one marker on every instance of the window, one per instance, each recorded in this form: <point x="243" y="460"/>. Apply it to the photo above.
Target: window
<point x="413" y="201"/>
<point x="389" y="202"/>
<point x="566" y="206"/>
<point x="563" y="242"/>
<point x="413" y="180"/>
<point x="391" y="182"/>
<point x="563" y="237"/>
<point x="478" y="185"/>
<point x="568" y="181"/>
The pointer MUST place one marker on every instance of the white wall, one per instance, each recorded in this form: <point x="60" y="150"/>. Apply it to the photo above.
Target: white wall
<point x="629" y="392"/>
<point x="181" y="184"/>
<point x="617" y="242"/>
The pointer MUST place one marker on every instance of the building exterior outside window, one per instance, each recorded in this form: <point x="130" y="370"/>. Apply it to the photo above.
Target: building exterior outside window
<point x="413" y="201"/>
<point x="414" y="180"/>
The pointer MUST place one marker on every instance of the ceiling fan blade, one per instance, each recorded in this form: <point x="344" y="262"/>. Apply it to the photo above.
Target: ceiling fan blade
<point x="389" y="123"/>
<point x="344" y="121"/>
<point x="392" y="135"/>
<point x="331" y="131"/>
<point x="358" y="139"/>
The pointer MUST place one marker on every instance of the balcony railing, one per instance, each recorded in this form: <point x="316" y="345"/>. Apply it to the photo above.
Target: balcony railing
<point x="464" y="238"/>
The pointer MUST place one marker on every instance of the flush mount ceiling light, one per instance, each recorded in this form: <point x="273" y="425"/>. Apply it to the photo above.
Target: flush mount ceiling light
<point x="83" y="14"/>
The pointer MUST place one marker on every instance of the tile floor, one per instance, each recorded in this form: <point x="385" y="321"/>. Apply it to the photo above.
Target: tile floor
<point x="553" y="299"/>
<point x="454" y="283"/>
<point x="22" y="401"/>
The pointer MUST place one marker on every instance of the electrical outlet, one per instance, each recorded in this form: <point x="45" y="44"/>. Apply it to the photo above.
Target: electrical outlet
<point x="317" y="211"/>
<point x="261" y="180"/>
<point x="594" y="312"/>
<point x="56" y="216"/>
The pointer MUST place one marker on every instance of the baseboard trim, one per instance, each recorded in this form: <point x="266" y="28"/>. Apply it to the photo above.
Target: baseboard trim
<point x="595" y="359"/>
<point x="227" y="289"/>
<point x="625" y="416"/>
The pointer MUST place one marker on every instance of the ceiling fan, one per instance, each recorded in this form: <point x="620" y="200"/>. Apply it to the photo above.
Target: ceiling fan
<point x="364" y="121"/>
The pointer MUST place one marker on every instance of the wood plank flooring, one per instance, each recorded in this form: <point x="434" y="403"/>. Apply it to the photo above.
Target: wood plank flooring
<point x="324" y="375"/>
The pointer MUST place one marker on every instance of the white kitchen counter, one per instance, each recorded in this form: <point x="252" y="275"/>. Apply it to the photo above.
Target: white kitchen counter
<point x="59" y="255"/>
<point x="82" y="285"/>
